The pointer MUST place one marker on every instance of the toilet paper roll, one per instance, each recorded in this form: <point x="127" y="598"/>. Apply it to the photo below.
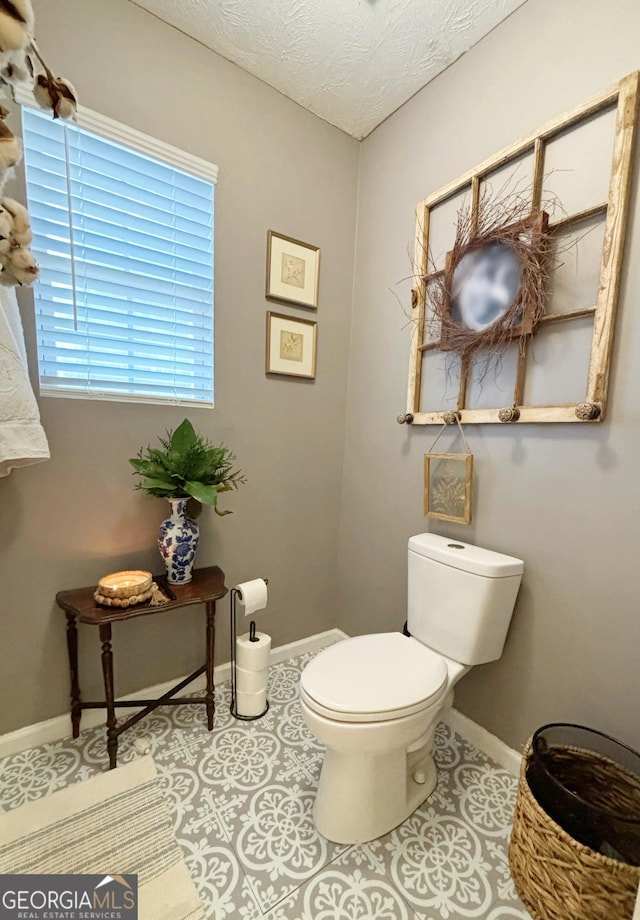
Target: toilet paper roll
<point x="251" y="704"/>
<point x="251" y="681"/>
<point x="253" y="656"/>
<point x="253" y="594"/>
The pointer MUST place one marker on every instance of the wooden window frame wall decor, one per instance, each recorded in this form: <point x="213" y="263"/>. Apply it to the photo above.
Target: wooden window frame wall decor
<point x="623" y="97"/>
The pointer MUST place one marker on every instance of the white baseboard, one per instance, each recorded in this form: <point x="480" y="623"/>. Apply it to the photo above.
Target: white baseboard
<point x="481" y="738"/>
<point x="60" y="727"/>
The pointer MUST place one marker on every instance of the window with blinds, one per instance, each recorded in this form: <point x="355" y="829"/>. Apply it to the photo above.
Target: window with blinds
<point x="124" y="241"/>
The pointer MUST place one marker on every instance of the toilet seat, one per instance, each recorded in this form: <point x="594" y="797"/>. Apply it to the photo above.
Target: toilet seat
<point x="374" y="678"/>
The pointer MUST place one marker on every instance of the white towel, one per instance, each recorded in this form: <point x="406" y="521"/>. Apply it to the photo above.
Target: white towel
<point x="22" y="438"/>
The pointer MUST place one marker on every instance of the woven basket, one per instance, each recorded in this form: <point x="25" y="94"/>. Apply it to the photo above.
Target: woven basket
<point x="556" y="876"/>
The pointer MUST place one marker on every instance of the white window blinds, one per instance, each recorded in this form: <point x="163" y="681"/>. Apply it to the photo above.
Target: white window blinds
<point x="124" y="241"/>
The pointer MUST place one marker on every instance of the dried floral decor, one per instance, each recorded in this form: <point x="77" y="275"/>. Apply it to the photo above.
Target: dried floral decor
<point x="448" y="481"/>
<point x="22" y="68"/>
<point x="492" y="290"/>
<point x="447" y="486"/>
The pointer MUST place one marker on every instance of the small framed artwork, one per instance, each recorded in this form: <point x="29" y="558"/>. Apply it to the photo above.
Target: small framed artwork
<point x="448" y="480"/>
<point x="293" y="270"/>
<point x="291" y="346"/>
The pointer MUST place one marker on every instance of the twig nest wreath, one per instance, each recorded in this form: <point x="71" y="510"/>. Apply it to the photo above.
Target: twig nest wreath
<point x="23" y="67"/>
<point x="493" y="288"/>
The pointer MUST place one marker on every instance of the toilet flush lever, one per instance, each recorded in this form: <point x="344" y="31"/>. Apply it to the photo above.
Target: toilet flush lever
<point x="420" y="777"/>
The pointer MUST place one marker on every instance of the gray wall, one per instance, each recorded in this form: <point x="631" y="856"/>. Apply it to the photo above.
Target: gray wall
<point x="565" y="499"/>
<point x="69" y="521"/>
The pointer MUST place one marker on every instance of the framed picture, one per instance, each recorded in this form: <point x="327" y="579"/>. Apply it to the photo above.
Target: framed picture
<point x="448" y="480"/>
<point x="293" y="270"/>
<point x="291" y="346"/>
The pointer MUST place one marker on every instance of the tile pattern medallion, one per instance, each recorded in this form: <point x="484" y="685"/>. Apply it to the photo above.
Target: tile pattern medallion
<point x="241" y="800"/>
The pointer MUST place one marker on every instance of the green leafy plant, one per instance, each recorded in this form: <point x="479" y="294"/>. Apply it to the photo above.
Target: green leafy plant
<point x="187" y="466"/>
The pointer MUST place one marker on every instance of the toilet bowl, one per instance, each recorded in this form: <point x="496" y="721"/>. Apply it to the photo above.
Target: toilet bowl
<point x="375" y="700"/>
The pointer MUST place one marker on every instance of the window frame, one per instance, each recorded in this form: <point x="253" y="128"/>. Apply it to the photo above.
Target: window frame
<point x="119" y="133"/>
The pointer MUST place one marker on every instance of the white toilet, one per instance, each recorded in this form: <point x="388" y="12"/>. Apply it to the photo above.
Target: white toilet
<point x="375" y="700"/>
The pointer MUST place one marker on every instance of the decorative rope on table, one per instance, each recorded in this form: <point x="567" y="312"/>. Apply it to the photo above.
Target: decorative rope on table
<point x="559" y="878"/>
<point x="153" y="594"/>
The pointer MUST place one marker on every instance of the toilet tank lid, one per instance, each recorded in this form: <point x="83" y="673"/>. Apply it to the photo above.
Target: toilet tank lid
<point x="465" y="556"/>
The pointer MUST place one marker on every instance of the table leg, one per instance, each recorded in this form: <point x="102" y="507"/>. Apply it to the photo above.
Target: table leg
<point x="107" y="671"/>
<point x="72" y="648"/>
<point x="211" y="708"/>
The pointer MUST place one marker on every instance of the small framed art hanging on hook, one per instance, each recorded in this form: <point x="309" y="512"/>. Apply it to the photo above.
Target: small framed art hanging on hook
<point x="448" y="482"/>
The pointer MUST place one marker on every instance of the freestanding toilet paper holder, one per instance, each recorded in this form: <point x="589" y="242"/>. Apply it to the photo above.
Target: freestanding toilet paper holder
<point x="252" y="638"/>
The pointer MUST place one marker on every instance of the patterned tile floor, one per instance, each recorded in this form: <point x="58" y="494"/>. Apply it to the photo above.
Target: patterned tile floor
<point x="241" y="802"/>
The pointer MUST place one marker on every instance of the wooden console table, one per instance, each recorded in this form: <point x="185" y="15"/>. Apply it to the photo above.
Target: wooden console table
<point x="206" y="588"/>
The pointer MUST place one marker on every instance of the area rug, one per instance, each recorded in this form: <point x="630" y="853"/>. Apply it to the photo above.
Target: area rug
<point x="115" y="823"/>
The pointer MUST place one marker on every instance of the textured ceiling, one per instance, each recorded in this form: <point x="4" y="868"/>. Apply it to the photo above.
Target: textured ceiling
<point x="352" y="62"/>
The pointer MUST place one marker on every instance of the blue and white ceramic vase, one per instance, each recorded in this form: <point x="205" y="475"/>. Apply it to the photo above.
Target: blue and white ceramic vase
<point x="178" y="539"/>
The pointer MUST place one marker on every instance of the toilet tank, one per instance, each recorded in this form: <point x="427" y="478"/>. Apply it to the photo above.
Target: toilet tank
<point x="461" y="597"/>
